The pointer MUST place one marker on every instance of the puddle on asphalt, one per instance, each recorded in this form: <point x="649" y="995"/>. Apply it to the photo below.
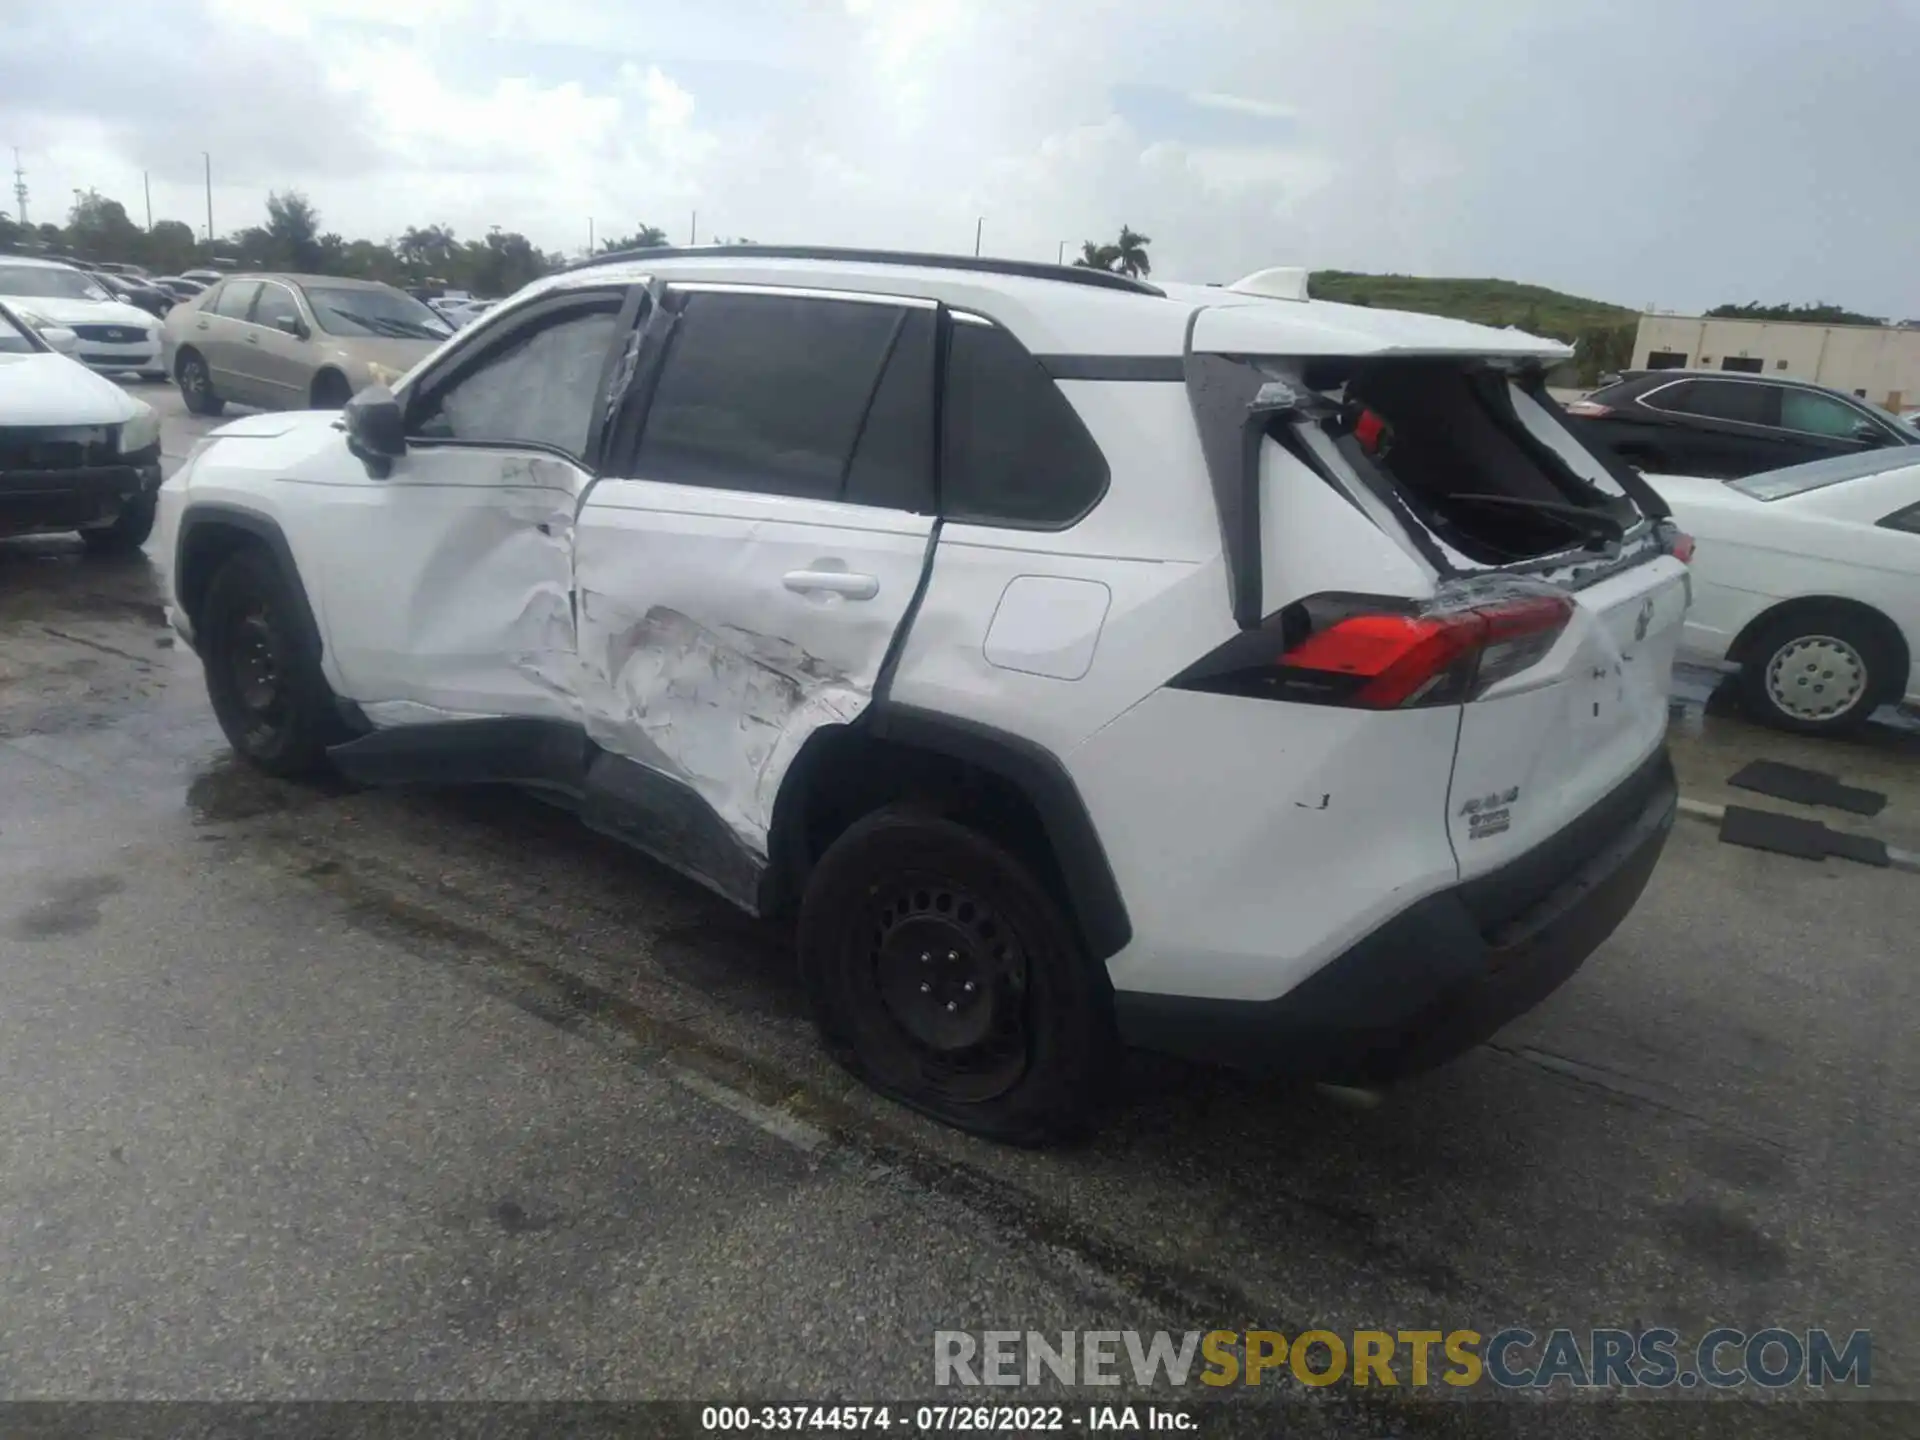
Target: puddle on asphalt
<point x="229" y="789"/>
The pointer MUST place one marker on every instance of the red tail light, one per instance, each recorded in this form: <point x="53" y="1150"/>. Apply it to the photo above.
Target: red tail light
<point x="1378" y="659"/>
<point x="1589" y="409"/>
<point x="1682" y="548"/>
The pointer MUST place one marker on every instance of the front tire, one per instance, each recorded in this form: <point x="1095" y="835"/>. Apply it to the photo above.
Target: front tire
<point x="196" y="385"/>
<point x="263" y="678"/>
<point x="943" y="974"/>
<point x="127" y="533"/>
<point x="1816" y="671"/>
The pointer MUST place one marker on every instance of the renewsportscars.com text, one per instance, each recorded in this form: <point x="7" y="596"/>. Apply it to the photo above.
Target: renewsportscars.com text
<point x="1515" y="1358"/>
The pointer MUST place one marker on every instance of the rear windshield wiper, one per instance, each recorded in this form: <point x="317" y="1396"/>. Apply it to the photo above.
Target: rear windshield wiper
<point x="1574" y="517"/>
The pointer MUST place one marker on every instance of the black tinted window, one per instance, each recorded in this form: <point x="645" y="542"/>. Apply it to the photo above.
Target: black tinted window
<point x="1721" y="400"/>
<point x="234" y="298"/>
<point x="893" y="459"/>
<point x="538" y="390"/>
<point x="1014" y="452"/>
<point x="764" y="393"/>
<point x="275" y="304"/>
<point x="1907" y="519"/>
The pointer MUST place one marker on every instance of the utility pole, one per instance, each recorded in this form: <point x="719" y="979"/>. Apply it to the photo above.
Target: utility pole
<point x="978" y="225"/>
<point x="1060" y="255"/>
<point x="146" y="189"/>
<point x="209" y="159"/>
<point x="589" y="236"/>
<point x="19" y="188"/>
<point x="693" y="227"/>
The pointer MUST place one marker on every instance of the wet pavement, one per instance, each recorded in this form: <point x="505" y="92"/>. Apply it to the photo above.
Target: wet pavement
<point x="306" y="1091"/>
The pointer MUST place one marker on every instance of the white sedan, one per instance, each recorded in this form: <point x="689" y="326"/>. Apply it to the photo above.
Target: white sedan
<point x="110" y="334"/>
<point x="76" y="451"/>
<point x="1808" y="579"/>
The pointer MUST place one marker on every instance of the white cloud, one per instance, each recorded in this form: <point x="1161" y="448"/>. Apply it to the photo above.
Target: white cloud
<point x="1407" y="137"/>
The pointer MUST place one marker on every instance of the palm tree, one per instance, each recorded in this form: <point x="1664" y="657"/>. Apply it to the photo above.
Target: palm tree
<point x="1132" y="253"/>
<point x="1097" y="257"/>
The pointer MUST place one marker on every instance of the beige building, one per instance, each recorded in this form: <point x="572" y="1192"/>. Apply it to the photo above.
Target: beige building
<point x="1880" y="363"/>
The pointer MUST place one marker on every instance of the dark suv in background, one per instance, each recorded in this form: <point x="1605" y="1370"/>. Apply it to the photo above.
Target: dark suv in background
<point x="1709" y="422"/>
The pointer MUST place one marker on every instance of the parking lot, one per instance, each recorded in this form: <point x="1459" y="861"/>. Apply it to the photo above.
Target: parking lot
<point x="309" y="1092"/>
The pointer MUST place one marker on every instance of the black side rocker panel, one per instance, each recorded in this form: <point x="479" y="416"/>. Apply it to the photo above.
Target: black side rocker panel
<point x="610" y="793"/>
<point x="1039" y="775"/>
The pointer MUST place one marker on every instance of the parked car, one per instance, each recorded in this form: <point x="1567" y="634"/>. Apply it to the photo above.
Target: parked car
<point x="1724" y="425"/>
<point x="112" y="334"/>
<point x="140" y="293"/>
<point x="1265" y="680"/>
<point x="1808" y="578"/>
<point x="204" y="277"/>
<point x="76" y="451"/>
<point x="179" y="286"/>
<point x="110" y="267"/>
<point x="294" y="342"/>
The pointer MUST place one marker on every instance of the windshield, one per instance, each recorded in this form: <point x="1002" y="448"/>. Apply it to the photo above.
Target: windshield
<point x="49" y="282"/>
<point x="375" y="312"/>
<point x="14" y="339"/>
<point x="1818" y="474"/>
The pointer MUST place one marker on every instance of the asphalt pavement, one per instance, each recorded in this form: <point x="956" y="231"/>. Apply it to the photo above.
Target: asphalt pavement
<point x="308" y="1092"/>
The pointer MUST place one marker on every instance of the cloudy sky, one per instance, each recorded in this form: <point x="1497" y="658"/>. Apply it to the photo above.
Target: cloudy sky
<point x="1669" y="152"/>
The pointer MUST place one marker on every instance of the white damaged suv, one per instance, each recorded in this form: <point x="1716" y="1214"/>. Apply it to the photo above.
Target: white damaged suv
<point x="1086" y="662"/>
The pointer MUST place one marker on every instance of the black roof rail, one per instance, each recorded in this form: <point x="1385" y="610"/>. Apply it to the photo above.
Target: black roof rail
<point x="1028" y="269"/>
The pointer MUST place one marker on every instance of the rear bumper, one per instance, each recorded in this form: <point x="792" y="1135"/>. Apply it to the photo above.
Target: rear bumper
<point x="69" y="499"/>
<point x="1445" y="974"/>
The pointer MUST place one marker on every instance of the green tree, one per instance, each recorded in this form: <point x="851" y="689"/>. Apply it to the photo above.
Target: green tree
<point x="1133" y="253"/>
<point x="171" y="246"/>
<point x="1819" y="313"/>
<point x="11" y="231"/>
<point x="426" y="251"/>
<point x="647" y="237"/>
<point x="98" y="229"/>
<point x="1127" y="257"/>
<point x="293" y="231"/>
<point x="1097" y="257"/>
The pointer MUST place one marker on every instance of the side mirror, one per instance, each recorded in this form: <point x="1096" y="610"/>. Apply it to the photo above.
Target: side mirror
<point x="1867" y="431"/>
<point x="376" y="430"/>
<point x="60" y="338"/>
<point x="291" y="325"/>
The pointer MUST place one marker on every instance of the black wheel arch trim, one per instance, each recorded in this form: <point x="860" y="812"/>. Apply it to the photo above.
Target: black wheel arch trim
<point x="1098" y="911"/>
<point x="268" y="532"/>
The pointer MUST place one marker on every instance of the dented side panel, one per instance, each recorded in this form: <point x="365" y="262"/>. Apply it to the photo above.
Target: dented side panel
<point x="714" y="636"/>
<point x="447" y="585"/>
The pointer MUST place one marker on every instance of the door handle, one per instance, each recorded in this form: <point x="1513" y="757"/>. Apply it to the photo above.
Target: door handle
<point x="201" y="326"/>
<point x="832" y="582"/>
<point x="253" y="339"/>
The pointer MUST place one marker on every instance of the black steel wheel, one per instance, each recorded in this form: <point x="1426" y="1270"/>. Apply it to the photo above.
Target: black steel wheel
<point x="263" y="676"/>
<point x="943" y="973"/>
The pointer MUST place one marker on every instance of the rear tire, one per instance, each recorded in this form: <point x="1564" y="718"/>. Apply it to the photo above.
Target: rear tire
<point x="1819" y="670"/>
<point x="263" y="678"/>
<point x="196" y="384"/>
<point x="943" y="974"/>
<point x="127" y="533"/>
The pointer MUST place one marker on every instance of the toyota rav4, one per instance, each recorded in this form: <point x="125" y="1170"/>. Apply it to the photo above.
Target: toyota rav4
<point x="1085" y="662"/>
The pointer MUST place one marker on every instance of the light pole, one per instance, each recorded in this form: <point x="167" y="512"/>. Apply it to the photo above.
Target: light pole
<point x="978" y="226"/>
<point x="209" y="164"/>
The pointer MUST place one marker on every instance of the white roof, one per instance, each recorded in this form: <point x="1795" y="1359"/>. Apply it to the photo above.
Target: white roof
<point x="1054" y="317"/>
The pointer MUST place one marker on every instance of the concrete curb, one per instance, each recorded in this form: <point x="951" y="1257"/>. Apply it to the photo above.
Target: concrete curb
<point x="1713" y="814"/>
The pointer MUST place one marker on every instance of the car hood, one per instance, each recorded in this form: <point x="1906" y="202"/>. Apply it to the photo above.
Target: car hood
<point x="44" y="389"/>
<point x="81" y="312"/>
<point x="382" y="350"/>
